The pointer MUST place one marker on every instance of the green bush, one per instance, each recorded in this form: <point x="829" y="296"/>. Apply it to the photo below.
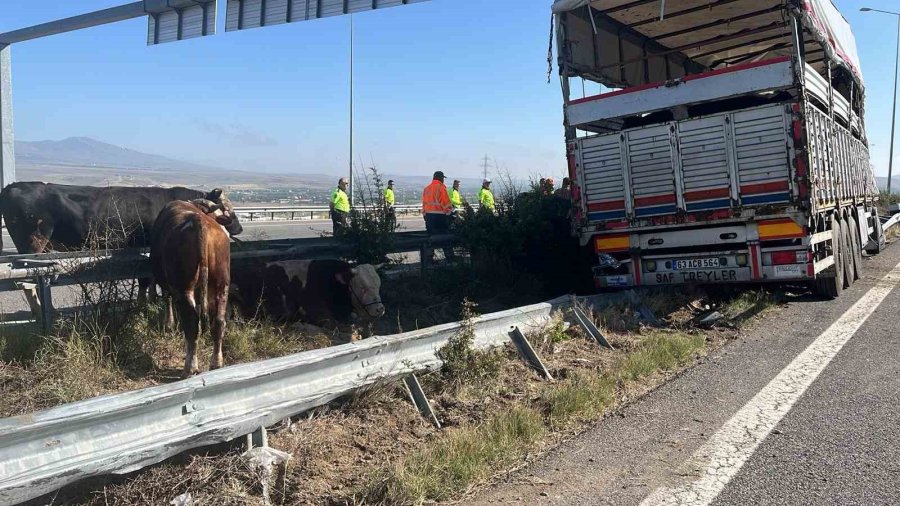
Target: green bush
<point x="529" y="234"/>
<point x="371" y="227"/>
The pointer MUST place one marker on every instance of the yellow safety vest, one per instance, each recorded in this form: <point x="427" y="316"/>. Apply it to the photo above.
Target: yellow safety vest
<point x="486" y="198"/>
<point x="455" y="198"/>
<point x="389" y="197"/>
<point x="340" y="200"/>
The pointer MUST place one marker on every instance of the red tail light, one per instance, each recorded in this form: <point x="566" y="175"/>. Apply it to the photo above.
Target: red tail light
<point x="784" y="257"/>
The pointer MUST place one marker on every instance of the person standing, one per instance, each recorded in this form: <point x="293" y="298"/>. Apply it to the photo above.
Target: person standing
<point x="436" y="208"/>
<point x="485" y="197"/>
<point x="340" y="208"/>
<point x="389" y="202"/>
<point x="565" y="191"/>
<point x="455" y="197"/>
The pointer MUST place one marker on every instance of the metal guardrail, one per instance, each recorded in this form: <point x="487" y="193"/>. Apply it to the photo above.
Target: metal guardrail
<point x="303" y="211"/>
<point x="121" y="433"/>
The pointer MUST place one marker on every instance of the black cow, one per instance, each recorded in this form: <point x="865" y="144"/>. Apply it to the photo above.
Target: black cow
<point x="320" y="292"/>
<point x="43" y="216"/>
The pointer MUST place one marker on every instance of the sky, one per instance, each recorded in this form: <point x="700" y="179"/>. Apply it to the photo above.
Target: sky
<point x="439" y="85"/>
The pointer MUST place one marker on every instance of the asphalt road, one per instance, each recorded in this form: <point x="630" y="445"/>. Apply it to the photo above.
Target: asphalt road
<point x="803" y="409"/>
<point x="277" y="229"/>
<point x="13" y="305"/>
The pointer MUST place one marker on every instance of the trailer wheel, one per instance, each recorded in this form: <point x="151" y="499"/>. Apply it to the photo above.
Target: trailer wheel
<point x="877" y="237"/>
<point x="831" y="287"/>
<point x="856" y="247"/>
<point x="847" y="252"/>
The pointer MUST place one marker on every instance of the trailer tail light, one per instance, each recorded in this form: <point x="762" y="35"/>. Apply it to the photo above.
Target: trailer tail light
<point x="784" y="257"/>
<point x="741" y="260"/>
<point x="784" y="228"/>
<point x="609" y="243"/>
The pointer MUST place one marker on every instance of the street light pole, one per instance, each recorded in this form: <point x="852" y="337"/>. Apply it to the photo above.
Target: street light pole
<point x="894" y="109"/>
<point x="351" y="111"/>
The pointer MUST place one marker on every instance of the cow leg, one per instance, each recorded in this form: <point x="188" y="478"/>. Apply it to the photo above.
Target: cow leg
<point x="31" y="296"/>
<point x="37" y="242"/>
<point x="143" y="284"/>
<point x="190" y="325"/>
<point x="219" y="310"/>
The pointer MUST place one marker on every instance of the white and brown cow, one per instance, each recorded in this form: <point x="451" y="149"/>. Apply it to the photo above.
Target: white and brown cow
<point x="191" y="258"/>
<point x="320" y="292"/>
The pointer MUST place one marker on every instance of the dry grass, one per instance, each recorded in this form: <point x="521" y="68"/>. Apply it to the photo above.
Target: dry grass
<point x="472" y="453"/>
<point x="81" y="359"/>
<point x="374" y="447"/>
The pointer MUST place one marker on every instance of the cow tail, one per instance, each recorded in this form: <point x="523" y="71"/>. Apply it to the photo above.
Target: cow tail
<point x="203" y="284"/>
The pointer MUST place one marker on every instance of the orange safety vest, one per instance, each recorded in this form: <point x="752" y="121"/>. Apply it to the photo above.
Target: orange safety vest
<point x="435" y="199"/>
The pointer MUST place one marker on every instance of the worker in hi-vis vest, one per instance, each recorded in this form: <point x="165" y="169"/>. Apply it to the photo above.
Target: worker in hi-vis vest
<point x="340" y="207"/>
<point x="389" y="202"/>
<point x="455" y="197"/>
<point x="436" y="208"/>
<point x="485" y="197"/>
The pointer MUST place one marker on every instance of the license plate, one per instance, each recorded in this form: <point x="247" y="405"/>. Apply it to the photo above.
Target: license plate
<point x="695" y="263"/>
<point x="789" y="271"/>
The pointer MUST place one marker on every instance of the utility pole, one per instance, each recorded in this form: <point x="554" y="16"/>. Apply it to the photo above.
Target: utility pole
<point x="484" y="166"/>
<point x="894" y="110"/>
<point x="351" y="112"/>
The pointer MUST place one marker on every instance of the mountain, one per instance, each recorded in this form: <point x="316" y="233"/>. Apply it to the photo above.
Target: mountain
<point x="882" y="184"/>
<point x="87" y="152"/>
<point x="86" y="161"/>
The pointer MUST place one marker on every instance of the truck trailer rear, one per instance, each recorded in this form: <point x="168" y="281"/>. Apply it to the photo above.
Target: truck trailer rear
<point x="727" y="144"/>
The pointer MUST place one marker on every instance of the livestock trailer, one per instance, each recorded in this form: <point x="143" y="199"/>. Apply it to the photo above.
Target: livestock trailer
<point x="726" y="144"/>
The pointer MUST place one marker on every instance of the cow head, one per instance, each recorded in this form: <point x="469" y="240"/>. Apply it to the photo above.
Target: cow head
<point x="223" y="212"/>
<point x="365" y="290"/>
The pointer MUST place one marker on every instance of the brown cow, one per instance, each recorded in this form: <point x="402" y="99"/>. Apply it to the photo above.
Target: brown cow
<point x="191" y="259"/>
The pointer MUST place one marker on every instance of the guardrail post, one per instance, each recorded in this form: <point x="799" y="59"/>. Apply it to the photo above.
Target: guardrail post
<point x="417" y="396"/>
<point x="527" y="352"/>
<point x="292" y="215"/>
<point x="258" y="438"/>
<point x="45" y="297"/>
<point x="590" y="328"/>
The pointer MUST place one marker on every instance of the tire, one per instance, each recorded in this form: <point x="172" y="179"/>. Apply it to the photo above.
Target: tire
<point x="831" y="287"/>
<point x="877" y="236"/>
<point x="857" y="248"/>
<point x="847" y="255"/>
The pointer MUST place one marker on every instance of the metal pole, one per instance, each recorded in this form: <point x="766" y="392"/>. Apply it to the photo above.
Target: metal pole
<point x="351" y="111"/>
<point x="7" y="136"/>
<point x="101" y="17"/>
<point x="894" y="110"/>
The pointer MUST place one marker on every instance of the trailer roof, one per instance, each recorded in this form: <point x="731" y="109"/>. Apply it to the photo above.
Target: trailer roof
<point x="624" y="43"/>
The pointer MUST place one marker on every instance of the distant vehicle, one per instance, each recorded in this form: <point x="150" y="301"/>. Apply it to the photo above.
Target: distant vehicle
<point x="729" y="143"/>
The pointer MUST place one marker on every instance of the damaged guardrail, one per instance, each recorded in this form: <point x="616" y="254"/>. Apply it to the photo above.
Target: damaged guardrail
<point x="121" y="433"/>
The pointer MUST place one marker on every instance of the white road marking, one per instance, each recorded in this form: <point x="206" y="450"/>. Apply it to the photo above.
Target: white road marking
<point x="720" y="458"/>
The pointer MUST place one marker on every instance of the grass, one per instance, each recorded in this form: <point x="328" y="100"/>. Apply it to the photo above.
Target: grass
<point x="83" y="358"/>
<point x="459" y="458"/>
<point x="471" y="453"/>
<point x="747" y="304"/>
<point x="660" y="351"/>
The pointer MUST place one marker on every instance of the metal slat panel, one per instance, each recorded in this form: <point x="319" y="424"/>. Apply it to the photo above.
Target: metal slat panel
<point x="704" y="158"/>
<point x="650" y="161"/>
<point x="183" y="23"/>
<point x="601" y="162"/>
<point x="760" y="140"/>
<point x="251" y="15"/>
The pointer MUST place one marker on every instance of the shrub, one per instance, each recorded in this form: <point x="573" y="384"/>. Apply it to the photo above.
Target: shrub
<point x="371" y="227"/>
<point x="462" y="362"/>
